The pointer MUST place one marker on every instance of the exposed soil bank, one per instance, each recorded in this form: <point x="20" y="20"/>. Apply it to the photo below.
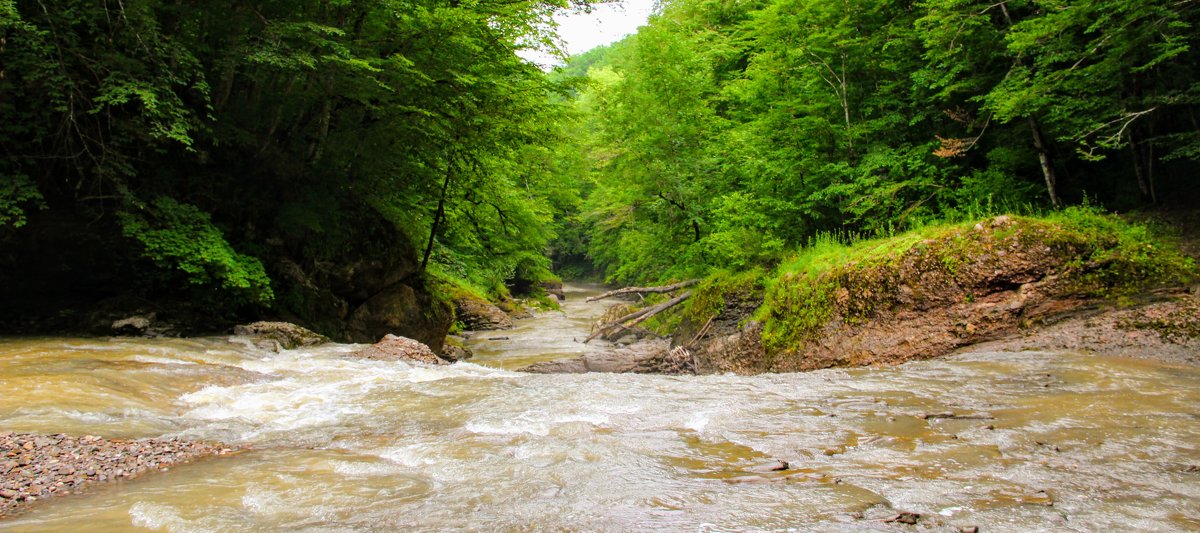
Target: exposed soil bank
<point x="34" y="467"/>
<point x="1167" y="330"/>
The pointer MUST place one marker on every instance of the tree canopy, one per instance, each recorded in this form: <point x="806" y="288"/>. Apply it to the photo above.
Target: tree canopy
<point x="726" y="133"/>
<point x="242" y="153"/>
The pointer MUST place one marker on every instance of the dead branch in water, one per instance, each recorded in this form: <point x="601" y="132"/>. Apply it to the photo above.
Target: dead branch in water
<point x="645" y="290"/>
<point x="638" y="317"/>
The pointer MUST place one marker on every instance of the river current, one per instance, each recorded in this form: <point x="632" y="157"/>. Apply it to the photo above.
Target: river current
<point x="1052" y="442"/>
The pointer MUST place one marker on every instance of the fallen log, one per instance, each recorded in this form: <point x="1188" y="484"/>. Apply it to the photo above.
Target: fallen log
<point x="639" y="316"/>
<point x="953" y="416"/>
<point x="645" y="290"/>
<point x="604" y="328"/>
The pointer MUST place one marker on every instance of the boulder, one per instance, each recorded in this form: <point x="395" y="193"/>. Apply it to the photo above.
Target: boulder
<point x="395" y="348"/>
<point x="454" y="353"/>
<point x="288" y="335"/>
<point x="401" y="310"/>
<point x="478" y="314"/>
<point x="554" y="288"/>
<point x="134" y="325"/>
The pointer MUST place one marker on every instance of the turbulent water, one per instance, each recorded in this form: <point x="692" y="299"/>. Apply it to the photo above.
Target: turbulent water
<point x="1060" y="442"/>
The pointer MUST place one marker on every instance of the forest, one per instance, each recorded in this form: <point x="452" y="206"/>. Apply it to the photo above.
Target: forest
<point x="320" y="160"/>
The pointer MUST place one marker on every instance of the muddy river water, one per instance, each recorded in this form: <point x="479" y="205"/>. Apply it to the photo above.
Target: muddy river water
<point x="1052" y="442"/>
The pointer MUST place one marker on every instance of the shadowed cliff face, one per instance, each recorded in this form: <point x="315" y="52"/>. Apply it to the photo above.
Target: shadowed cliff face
<point x="66" y="274"/>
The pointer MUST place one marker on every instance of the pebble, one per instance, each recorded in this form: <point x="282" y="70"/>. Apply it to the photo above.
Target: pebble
<point x="39" y="466"/>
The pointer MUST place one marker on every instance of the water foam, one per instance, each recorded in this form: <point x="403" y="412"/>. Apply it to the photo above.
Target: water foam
<point x="159" y="517"/>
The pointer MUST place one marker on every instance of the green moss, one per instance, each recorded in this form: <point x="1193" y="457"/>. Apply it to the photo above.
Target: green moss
<point x="543" y="302"/>
<point x="795" y="309"/>
<point x="709" y="297"/>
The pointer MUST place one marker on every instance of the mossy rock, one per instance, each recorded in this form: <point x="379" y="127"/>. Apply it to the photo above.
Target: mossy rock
<point x="288" y="335"/>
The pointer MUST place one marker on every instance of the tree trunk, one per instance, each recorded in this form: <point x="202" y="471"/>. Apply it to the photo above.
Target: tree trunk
<point x="1047" y="164"/>
<point x="318" y="146"/>
<point x="645" y="290"/>
<point x="1139" y="169"/>
<point x="437" y="216"/>
<point x="639" y="316"/>
<point x="695" y="223"/>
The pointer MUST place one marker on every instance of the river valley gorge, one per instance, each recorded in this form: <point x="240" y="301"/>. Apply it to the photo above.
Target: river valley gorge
<point x="1028" y="441"/>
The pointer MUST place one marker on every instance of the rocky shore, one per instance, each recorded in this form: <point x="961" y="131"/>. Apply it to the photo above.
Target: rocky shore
<point x="35" y="466"/>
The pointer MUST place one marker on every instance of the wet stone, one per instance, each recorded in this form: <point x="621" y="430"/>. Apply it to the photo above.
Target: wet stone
<point x="774" y="466"/>
<point x="905" y="518"/>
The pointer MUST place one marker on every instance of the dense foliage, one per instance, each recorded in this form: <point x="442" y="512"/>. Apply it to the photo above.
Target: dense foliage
<point x="727" y="132"/>
<point x="215" y="137"/>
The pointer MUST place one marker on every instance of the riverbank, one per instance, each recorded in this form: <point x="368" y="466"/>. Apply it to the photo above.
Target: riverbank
<point x="34" y="467"/>
<point x="1074" y="280"/>
<point x="1167" y="330"/>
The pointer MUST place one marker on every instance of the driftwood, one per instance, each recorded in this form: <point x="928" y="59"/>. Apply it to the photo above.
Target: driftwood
<point x="645" y="290"/>
<point x="635" y="318"/>
<point x="952" y="416"/>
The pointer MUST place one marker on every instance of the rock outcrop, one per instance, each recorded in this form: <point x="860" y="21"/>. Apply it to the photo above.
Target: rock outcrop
<point x="394" y="348"/>
<point x="362" y="297"/>
<point x="477" y="314"/>
<point x="1166" y="328"/>
<point x="401" y="310"/>
<point x="555" y="289"/>
<point x="454" y="350"/>
<point x="133" y="325"/>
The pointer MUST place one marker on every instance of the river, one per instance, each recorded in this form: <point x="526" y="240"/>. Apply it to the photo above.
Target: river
<point x="1061" y="442"/>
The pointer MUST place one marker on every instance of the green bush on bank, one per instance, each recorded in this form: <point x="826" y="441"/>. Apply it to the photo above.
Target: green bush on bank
<point x="180" y="237"/>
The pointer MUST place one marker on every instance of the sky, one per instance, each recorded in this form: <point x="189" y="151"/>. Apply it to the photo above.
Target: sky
<point x="607" y="23"/>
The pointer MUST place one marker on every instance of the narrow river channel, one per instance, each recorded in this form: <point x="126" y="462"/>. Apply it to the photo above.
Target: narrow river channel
<point x="1056" y="442"/>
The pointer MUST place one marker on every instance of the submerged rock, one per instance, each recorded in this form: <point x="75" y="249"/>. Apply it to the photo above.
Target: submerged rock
<point x="773" y="466"/>
<point x="454" y="353"/>
<point x="646" y="357"/>
<point x="288" y="335"/>
<point x="395" y="348"/>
